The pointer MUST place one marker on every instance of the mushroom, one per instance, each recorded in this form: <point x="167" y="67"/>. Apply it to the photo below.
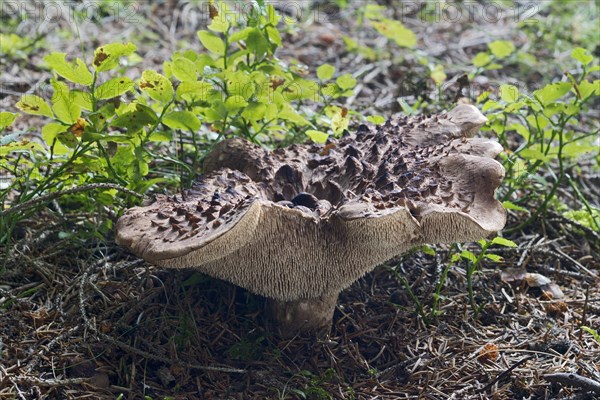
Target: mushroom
<point x="300" y="224"/>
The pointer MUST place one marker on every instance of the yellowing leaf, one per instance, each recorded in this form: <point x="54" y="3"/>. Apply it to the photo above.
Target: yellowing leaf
<point x="76" y="71"/>
<point x="114" y="88"/>
<point x="317" y="136"/>
<point x="219" y="23"/>
<point x="78" y="127"/>
<point x="35" y="105"/>
<point x="6" y="119"/>
<point x="395" y="31"/>
<point x="501" y="48"/>
<point x="107" y="57"/>
<point x="21" y="146"/>
<point x="136" y="119"/>
<point x="157" y="86"/>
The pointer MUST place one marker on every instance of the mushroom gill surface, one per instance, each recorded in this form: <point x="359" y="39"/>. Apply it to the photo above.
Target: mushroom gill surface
<point x="308" y="220"/>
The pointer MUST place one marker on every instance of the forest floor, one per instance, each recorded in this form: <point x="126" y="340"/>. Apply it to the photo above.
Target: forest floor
<point x="88" y="320"/>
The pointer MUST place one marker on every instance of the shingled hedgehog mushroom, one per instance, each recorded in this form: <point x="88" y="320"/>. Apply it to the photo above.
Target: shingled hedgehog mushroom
<point x="300" y="224"/>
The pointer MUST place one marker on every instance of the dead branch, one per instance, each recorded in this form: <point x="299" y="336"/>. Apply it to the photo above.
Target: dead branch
<point x="570" y="379"/>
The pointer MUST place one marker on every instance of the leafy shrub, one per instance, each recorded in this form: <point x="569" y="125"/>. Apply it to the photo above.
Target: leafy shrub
<point x="106" y="127"/>
<point x="550" y="143"/>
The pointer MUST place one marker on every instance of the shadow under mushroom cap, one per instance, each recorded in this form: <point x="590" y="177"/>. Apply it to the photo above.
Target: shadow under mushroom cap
<point x="309" y="220"/>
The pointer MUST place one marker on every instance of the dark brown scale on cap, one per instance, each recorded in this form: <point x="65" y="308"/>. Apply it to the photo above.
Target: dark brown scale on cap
<point x="352" y="151"/>
<point x="162" y="215"/>
<point x="225" y="209"/>
<point x="306" y="199"/>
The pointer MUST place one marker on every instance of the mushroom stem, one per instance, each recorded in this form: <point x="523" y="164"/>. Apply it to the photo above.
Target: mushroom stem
<point x="303" y="316"/>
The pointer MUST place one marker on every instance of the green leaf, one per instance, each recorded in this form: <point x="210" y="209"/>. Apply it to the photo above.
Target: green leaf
<point x="468" y="255"/>
<point x="240" y="35"/>
<point x="82" y="99"/>
<point x="157" y="86"/>
<point x="491" y="105"/>
<point x="325" y="72"/>
<point x="273" y="35"/>
<point x="538" y="121"/>
<point x="194" y="91"/>
<point x="521" y="130"/>
<point x="136" y="118"/>
<point x="76" y="71"/>
<point x="511" y="108"/>
<point x="494" y="257"/>
<point x="438" y="75"/>
<point x="62" y="103"/>
<point x="376" y="119"/>
<point x="531" y="154"/>
<point x="113" y="88"/>
<point x="512" y="206"/>
<point x="107" y="57"/>
<point x="254" y="111"/>
<point x="6" y="119"/>
<point x="483" y="96"/>
<point x="239" y="83"/>
<point x="161" y="136"/>
<point x="235" y="103"/>
<point x="552" y="92"/>
<point x="212" y="42"/>
<point x="50" y="133"/>
<point x="580" y="55"/>
<point x="346" y="81"/>
<point x="503" y="242"/>
<point x="509" y="93"/>
<point x="501" y="48"/>
<point x="317" y="136"/>
<point x="481" y="59"/>
<point x="184" y="120"/>
<point x="34" y="105"/>
<point x="184" y="69"/>
<point x="287" y="113"/>
<point x="257" y="43"/>
<point x="587" y="88"/>
<point x="592" y="332"/>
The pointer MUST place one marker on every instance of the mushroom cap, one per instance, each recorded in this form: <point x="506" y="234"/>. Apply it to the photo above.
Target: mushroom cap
<point x="309" y="220"/>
